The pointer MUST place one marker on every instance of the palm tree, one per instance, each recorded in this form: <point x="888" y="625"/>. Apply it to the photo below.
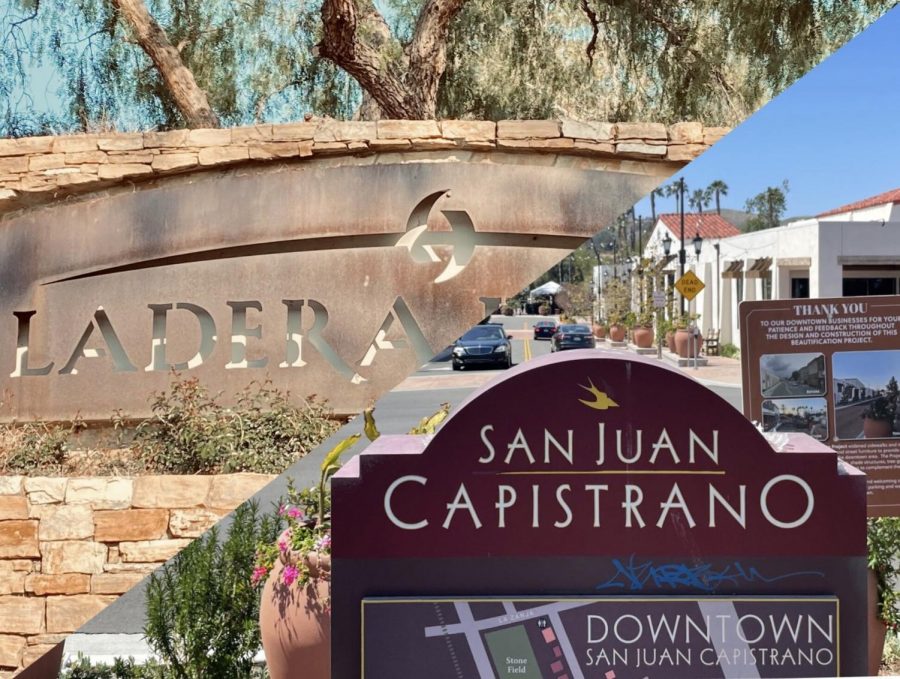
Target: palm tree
<point x="654" y="194"/>
<point x="719" y="188"/>
<point x="700" y="199"/>
<point x="673" y="190"/>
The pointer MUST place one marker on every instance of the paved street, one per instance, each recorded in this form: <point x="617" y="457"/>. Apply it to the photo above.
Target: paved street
<point x="419" y="395"/>
<point x="848" y="420"/>
<point x="790" y="388"/>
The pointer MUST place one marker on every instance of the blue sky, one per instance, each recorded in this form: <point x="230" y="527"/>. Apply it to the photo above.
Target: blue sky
<point x="834" y="135"/>
<point x="872" y="368"/>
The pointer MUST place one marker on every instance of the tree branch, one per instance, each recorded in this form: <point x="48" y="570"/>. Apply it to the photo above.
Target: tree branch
<point x="190" y="100"/>
<point x="428" y="51"/>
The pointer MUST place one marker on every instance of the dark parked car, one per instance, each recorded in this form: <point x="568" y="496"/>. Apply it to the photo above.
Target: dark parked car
<point x="484" y="344"/>
<point x="572" y="337"/>
<point x="545" y="329"/>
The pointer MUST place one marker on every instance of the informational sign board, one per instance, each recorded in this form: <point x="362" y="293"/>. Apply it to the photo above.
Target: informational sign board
<point x="830" y="368"/>
<point x="659" y="299"/>
<point x="689" y="285"/>
<point x="621" y="637"/>
<point x="603" y="485"/>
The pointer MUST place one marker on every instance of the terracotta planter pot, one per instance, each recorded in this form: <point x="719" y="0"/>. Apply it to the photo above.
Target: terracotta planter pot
<point x="599" y="331"/>
<point x="617" y="333"/>
<point x="685" y="345"/>
<point x="670" y="341"/>
<point x="876" y="429"/>
<point x="643" y="337"/>
<point x="877" y="629"/>
<point x="295" y="623"/>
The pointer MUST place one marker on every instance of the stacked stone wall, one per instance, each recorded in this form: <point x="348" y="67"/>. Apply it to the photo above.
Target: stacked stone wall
<point x="70" y="546"/>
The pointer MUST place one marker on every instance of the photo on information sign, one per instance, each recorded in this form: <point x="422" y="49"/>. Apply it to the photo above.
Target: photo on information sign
<point x="865" y="394"/>
<point x="792" y="374"/>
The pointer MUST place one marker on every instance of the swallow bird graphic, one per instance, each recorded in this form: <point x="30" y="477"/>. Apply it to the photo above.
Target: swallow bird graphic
<point x="601" y="400"/>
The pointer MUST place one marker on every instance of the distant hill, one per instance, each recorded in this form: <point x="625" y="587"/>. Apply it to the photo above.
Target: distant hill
<point x="737" y="217"/>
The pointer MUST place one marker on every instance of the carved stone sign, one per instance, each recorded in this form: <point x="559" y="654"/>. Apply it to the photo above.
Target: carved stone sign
<point x="589" y="475"/>
<point x="830" y="367"/>
<point x="334" y="280"/>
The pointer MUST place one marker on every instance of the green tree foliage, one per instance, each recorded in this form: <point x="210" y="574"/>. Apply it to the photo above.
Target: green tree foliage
<point x="261" y="60"/>
<point x="767" y="208"/>
<point x="202" y="610"/>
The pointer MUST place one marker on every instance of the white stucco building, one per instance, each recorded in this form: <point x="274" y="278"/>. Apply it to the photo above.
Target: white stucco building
<point x="848" y="251"/>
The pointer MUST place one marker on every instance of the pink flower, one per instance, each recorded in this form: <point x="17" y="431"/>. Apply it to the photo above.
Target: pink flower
<point x="323" y="543"/>
<point x="295" y="513"/>
<point x="289" y="574"/>
<point x="258" y="574"/>
<point x="284" y="544"/>
<point x="281" y="509"/>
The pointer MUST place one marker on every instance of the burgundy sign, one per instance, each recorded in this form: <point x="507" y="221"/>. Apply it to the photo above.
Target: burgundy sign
<point x="597" y="474"/>
<point x="830" y="368"/>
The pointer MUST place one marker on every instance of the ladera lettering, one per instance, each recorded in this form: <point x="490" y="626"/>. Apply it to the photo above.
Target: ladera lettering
<point x="302" y="322"/>
<point x="525" y="490"/>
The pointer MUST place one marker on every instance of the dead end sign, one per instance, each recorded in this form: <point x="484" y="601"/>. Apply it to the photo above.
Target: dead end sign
<point x="689" y="285"/>
<point x="609" y="527"/>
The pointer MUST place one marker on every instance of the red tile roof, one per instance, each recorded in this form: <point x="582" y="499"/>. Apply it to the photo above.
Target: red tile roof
<point x="707" y="225"/>
<point x="891" y="197"/>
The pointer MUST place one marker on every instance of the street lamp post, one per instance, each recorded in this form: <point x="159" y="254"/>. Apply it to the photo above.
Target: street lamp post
<point x="682" y="255"/>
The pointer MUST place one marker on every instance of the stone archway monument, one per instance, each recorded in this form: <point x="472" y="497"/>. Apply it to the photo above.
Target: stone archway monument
<point x="591" y="515"/>
<point x="332" y="258"/>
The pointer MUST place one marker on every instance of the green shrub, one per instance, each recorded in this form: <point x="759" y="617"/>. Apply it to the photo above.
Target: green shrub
<point x="82" y="668"/>
<point x="191" y="432"/>
<point x="27" y="448"/>
<point x="202" y="610"/>
<point x="729" y="351"/>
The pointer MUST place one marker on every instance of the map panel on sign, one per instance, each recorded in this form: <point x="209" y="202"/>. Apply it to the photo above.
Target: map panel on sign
<point x="608" y="638"/>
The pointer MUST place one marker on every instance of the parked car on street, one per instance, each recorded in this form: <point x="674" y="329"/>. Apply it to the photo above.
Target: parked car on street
<point x="544" y="329"/>
<point x="486" y="344"/>
<point x="572" y="337"/>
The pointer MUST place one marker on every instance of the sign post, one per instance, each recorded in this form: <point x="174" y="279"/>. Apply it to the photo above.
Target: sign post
<point x="633" y="525"/>
<point x="659" y="303"/>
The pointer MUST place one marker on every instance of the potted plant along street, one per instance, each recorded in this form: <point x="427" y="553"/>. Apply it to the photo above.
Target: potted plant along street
<point x="599" y="328"/>
<point x="643" y="329"/>
<point x="295" y="571"/>
<point x="617" y="328"/>
<point x="878" y="418"/>
<point x="687" y="344"/>
<point x="883" y="542"/>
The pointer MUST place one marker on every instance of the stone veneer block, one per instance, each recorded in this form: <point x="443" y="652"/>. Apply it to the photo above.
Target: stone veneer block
<point x="242" y="135"/>
<point x="171" y="139"/>
<point x="233" y="489"/>
<point x="26" y="146"/>
<point x="686" y="133"/>
<point x="130" y="524"/>
<point x="294" y="131"/>
<point x="338" y="130"/>
<point x="14" y="164"/>
<point x="114" y="583"/>
<point x="645" y="131"/>
<point x="640" y="149"/>
<point x="122" y="142"/>
<point x="151" y="550"/>
<point x="209" y="137"/>
<point x="591" y="131"/>
<point x="21" y="615"/>
<point x="45" y="490"/>
<point x="100" y="493"/>
<point x="217" y="155"/>
<point x="407" y="129"/>
<point x="713" y="134"/>
<point x="11" y="485"/>
<point x="72" y="557"/>
<point x="528" y="129"/>
<point x="12" y="583"/>
<point x="192" y="523"/>
<point x="66" y="522"/>
<point x="68" y="613"/>
<point x="174" y="161"/>
<point x="65" y="583"/>
<point x="18" y="539"/>
<point x="13" y="507"/>
<point x="122" y="170"/>
<point x="33" y="652"/>
<point x="170" y="492"/>
<point x="47" y="161"/>
<point x="71" y="144"/>
<point x="470" y="130"/>
<point x="685" y="152"/>
<point x="12" y="649"/>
